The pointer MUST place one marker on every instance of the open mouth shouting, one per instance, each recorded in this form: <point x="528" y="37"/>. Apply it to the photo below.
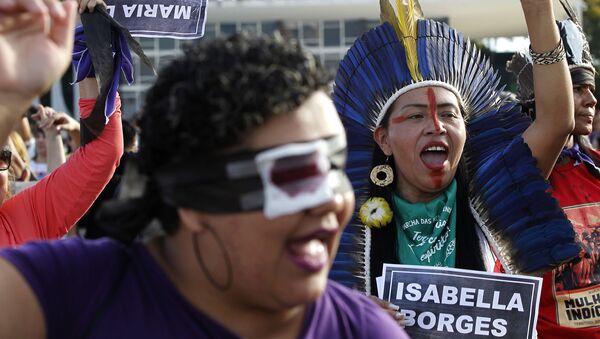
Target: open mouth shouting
<point x="311" y="252"/>
<point x="435" y="155"/>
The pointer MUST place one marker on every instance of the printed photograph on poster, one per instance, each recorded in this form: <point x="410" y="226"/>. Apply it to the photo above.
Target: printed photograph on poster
<point x="177" y="19"/>
<point x="577" y="283"/>
<point x="439" y="302"/>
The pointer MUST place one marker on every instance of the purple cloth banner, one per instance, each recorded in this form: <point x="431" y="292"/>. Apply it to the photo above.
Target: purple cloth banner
<point x="177" y="19"/>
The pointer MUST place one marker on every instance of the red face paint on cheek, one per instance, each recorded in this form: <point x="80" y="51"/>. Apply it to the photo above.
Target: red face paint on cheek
<point x="433" y="109"/>
<point x="398" y="120"/>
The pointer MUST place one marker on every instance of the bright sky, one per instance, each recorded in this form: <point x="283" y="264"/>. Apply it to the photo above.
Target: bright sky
<point x="504" y="45"/>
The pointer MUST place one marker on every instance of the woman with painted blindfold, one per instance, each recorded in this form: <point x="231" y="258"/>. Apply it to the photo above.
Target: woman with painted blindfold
<point x="241" y="161"/>
<point x="449" y="173"/>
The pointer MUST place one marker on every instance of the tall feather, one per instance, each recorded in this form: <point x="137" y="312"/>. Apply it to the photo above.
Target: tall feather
<point x="403" y="16"/>
<point x="388" y="14"/>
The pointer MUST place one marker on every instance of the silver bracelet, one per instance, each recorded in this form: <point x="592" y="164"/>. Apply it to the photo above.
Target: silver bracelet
<point x="548" y="58"/>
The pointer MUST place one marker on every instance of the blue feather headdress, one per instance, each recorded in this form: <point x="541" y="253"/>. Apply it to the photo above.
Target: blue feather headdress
<point x="523" y="223"/>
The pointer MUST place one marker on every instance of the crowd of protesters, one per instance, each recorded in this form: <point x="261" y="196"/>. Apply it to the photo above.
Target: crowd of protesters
<point x="218" y="213"/>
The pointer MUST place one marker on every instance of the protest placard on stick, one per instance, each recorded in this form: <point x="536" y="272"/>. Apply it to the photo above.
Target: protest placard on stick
<point x="442" y="302"/>
<point x="178" y="19"/>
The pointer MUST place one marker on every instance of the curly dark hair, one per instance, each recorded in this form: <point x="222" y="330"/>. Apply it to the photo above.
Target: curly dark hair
<point x="209" y="98"/>
<point x="205" y="102"/>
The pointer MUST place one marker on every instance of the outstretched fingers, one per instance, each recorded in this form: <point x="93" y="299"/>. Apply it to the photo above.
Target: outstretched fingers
<point x="61" y="32"/>
<point x="15" y="6"/>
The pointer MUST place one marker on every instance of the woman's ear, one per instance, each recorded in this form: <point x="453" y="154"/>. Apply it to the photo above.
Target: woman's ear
<point x="381" y="138"/>
<point x="190" y="219"/>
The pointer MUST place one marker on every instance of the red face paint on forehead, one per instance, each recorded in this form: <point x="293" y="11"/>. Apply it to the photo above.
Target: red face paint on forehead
<point x="433" y="108"/>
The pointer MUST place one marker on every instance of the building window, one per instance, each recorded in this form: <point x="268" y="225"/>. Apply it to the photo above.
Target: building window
<point x="269" y="27"/>
<point x="210" y="31"/>
<point x="249" y="27"/>
<point x="228" y="28"/>
<point x="146" y="74"/>
<point x="165" y="44"/>
<point x="331" y="62"/>
<point x="331" y="33"/>
<point x="372" y="24"/>
<point x="147" y="43"/>
<point x="289" y="30"/>
<point x="165" y="60"/>
<point x="353" y="29"/>
<point x="310" y="34"/>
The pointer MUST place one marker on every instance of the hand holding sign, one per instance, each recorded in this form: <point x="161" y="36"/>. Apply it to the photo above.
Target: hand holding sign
<point x="392" y="310"/>
<point x="90" y="5"/>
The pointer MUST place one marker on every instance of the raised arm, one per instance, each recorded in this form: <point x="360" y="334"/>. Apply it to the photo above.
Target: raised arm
<point x="52" y="206"/>
<point x="54" y="145"/>
<point x="553" y="90"/>
<point x="36" y="41"/>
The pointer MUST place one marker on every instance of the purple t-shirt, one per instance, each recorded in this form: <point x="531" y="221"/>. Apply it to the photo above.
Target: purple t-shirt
<point x="100" y="289"/>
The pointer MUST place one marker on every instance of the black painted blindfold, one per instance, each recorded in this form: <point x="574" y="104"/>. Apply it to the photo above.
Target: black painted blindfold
<point x="280" y="180"/>
<point x="583" y="76"/>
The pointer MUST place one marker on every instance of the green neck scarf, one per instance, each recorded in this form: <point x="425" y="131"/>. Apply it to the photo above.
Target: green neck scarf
<point x="427" y="231"/>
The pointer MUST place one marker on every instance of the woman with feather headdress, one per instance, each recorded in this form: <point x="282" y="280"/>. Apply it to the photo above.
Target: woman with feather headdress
<point x="446" y="172"/>
<point x="569" y="302"/>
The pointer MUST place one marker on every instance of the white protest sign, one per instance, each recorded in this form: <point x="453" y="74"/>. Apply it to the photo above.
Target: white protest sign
<point x="455" y="303"/>
<point x="178" y="19"/>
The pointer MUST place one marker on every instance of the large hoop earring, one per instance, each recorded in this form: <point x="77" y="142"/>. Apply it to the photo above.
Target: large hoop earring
<point x="213" y="281"/>
<point x="382" y="175"/>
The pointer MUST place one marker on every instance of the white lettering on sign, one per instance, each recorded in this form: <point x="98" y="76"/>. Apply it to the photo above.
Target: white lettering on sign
<point x="451" y="295"/>
<point x="463" y="324"/>
<point x="152" y="11"/>
<point x="165" y="11"/>
<point x="111" y="10"/>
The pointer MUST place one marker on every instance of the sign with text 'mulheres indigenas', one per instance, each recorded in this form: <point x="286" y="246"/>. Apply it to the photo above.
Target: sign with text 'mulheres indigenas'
<point x="178" y="19"/>
<point x="454" y="303"/>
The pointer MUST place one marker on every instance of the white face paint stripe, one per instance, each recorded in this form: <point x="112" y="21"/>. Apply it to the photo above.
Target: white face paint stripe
<point x="278" y="201"/>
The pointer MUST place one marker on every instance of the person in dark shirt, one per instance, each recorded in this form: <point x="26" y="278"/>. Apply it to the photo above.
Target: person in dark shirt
<point x="88" y="225"/>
